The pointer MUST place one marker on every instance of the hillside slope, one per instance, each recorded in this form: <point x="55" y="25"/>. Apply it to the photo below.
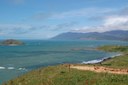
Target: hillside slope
<point x="110" y="35"/>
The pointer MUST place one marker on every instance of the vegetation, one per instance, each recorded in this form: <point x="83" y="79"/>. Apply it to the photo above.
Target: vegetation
<point x="11" y="42"/>
<point x="62" y="75"/>
<point x="116" y="62"/>
<point x="114" y="48"/>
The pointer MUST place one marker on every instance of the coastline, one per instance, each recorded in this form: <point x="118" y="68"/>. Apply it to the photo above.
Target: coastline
<point x="98" y="61"/>
<point x="115" y="69"/>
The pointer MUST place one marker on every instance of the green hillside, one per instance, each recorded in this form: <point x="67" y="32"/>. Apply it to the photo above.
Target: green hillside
<point x="60" y="75"/>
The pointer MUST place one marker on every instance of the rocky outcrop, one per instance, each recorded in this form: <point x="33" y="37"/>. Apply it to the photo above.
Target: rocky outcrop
<point x="11" y="42"/>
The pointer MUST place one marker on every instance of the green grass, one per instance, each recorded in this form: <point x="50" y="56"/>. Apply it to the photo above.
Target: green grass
<point x="60" y="75"/>
<point x="116" y="62"/>
<point x="114" y="48"/>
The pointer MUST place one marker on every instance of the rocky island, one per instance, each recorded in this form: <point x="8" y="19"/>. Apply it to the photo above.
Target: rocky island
<point x="11" y="42"/>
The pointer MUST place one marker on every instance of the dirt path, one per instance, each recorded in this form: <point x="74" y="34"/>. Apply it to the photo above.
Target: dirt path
<point x="101" y="69"/>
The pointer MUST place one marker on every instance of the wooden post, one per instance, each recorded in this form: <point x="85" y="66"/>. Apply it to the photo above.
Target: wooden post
<point x="69" y="67"/>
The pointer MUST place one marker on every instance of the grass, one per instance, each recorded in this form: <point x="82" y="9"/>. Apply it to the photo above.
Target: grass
<point x="116" y="62"/>
<point x="116" y="48"/>
<point x="60" y="75"/>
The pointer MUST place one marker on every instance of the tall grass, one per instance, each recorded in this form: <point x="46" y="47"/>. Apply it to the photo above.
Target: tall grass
<point x="60" y="75"/>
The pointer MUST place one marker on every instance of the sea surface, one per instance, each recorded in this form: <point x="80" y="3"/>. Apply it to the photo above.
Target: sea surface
<point x="17" y="60"/>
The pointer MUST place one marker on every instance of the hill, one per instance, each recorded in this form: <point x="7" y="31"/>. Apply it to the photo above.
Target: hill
<point x="109" y="35"/>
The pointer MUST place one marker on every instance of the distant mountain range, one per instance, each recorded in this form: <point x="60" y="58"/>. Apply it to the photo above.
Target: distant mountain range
<point x="109" y="35"/>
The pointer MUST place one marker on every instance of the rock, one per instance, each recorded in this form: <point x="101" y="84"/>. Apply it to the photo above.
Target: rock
<point x="11" y="42"/>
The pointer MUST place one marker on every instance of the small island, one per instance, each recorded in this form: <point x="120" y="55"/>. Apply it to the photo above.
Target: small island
<point x="11" y="42"/>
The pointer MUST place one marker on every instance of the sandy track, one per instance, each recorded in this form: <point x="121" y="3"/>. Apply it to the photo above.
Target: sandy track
<point x="100" y="69"/>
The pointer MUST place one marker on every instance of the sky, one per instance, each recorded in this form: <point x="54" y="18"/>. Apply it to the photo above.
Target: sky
<point x="43" y="19"/>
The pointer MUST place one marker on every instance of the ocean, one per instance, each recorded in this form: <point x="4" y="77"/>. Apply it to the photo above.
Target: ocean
<point x="17" y="60"/>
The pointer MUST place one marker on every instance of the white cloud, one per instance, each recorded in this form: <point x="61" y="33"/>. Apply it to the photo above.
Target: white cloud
<point x="110" y="23"/>
<point x="115" y="20"/>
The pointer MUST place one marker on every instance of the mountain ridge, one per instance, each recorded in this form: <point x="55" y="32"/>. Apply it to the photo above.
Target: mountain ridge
<point x="108" y="35"/>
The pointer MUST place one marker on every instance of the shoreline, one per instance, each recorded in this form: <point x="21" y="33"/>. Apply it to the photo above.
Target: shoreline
<point x="99" y="61"/>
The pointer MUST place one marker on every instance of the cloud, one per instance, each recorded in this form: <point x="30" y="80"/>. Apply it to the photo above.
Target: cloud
<point x="111" y="13"/>
<point x="22" y="31"/>
<point x="77" y="13"/>
<point x="14" y="29"/>
<point x="33" y="32"/>
<point x="64" y="26"/>
<point x="21" y="28"/>
<point x="116" y="20"/>
<point x="85" y="12"/>
<point x="110" y="19"/>
<point x="111" y="23"/>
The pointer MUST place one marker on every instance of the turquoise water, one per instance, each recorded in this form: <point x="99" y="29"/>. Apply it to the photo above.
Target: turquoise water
<point x="17" y="60"/>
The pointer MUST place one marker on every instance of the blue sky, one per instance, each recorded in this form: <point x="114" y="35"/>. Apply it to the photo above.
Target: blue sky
<point x="43" y="19"/>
